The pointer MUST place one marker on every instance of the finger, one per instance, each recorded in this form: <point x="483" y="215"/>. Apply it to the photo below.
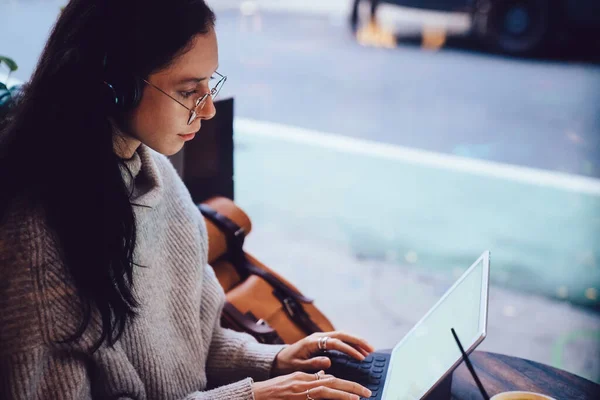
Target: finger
<point x="353" y="340"/>
<point x="304" y="377"/>
<point x="319" y="375"/>
<point x="340" y="385"/>
<point x="336" y="344"/>
<point x="323" y="392"/>
<point x="315" y="363"/>
<point x="361" y="350"/>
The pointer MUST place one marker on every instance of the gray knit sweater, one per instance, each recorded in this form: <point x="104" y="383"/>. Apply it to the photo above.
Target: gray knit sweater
<point x="175" y="349"/>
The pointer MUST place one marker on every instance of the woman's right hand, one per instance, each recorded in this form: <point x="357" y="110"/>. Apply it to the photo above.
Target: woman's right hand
<point x="303" y="386"/>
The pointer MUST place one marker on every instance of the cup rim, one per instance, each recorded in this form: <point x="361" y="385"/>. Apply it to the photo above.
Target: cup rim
<point x="508" y="395"/>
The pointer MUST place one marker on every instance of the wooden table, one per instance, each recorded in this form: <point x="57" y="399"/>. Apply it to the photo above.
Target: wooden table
<point x="500" y="373"/>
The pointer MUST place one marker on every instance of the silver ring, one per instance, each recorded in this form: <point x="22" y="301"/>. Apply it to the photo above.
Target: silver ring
<point x="317" y="376"/>
<point x="308" y="395"/>
<point x="323" y="342"/>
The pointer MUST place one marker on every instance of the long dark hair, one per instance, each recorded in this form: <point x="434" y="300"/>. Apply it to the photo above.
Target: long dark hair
<point x="56" y="148"/>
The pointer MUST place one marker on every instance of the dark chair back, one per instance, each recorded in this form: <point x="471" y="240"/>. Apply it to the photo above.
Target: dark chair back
<point x="206" y="163"/>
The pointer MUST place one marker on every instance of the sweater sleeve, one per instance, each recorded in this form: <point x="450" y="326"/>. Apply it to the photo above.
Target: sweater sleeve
<point x="241" y="390"/>
<point x="234" y="355"/>
<point x="237" y="355"/>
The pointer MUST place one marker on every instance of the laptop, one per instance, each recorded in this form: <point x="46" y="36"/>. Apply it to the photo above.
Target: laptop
<point x="428" y="353"/>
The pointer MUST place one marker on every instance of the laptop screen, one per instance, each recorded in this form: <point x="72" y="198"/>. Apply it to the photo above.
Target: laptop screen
<point x="429" y="350"/>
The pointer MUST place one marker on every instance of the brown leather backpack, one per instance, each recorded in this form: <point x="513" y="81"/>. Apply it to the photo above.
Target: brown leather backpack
<point x="259" y="301"/>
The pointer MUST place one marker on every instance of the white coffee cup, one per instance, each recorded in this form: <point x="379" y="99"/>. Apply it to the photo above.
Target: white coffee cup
<point x="521" y="396"/>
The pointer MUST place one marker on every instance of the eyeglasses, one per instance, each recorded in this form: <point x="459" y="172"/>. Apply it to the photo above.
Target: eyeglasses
<point x="200" y="102"/>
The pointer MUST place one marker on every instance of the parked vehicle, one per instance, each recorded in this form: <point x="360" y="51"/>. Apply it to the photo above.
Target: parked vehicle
<point x="519" y="27"/>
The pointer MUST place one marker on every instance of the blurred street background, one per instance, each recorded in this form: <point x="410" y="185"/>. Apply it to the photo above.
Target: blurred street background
<point x="377" y="166"/>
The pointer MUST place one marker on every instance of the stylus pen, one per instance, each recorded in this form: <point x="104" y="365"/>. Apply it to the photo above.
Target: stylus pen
<point x="470" y="366"/>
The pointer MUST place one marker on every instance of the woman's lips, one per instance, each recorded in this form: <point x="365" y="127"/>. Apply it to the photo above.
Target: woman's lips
<point x="188" y="136"/>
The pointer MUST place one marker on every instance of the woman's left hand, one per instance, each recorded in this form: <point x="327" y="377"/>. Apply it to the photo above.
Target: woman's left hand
<point x="304" y="355"/>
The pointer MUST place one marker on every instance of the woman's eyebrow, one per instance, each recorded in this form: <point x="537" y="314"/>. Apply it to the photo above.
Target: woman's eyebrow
<point x="194" y="79"/>
<point x="191" y="79"/>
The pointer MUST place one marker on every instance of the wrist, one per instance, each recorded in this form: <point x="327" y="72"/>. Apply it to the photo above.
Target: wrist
<point x="277" y="367"/>
<point x="256" y="390"/>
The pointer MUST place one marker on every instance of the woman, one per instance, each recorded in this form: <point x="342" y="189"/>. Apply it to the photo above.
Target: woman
<point x="104" y="287"/>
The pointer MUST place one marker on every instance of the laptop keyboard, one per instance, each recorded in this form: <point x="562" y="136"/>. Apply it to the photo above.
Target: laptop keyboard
<point x="370" y="372"/>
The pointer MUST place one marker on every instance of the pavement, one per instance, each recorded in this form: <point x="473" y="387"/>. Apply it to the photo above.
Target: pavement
<point x="307" y="71"/>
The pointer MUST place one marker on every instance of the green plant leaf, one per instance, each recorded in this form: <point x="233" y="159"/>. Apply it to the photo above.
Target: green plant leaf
<point x="3" y="86"/>
<point x="12" y="66"/>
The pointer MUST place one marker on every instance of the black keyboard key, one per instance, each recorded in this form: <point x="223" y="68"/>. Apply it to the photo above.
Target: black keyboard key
<point x="378" y="358"/>
<point x="380" y="364"/>
<point x="375" y="375"/>
<point x="350" y="371"/>
<point x="377" y="370"/>
<point x="368" y="358"/>
<point x="372" y="387"/>
<point x="365" y="366"/>
<point x="373" y="393"/>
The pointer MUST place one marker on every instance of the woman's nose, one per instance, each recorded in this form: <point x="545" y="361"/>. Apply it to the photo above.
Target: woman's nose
<point x="209" y="110"/>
